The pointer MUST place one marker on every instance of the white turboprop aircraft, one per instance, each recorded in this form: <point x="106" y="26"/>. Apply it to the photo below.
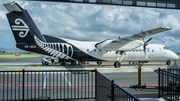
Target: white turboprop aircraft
<point x="29" y="38"/>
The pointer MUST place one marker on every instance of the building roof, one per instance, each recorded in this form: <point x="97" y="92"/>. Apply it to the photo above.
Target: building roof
<point x="164" y="4"/>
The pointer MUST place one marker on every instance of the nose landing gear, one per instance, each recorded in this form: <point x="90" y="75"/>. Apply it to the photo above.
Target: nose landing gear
<point x="168" y="62"/>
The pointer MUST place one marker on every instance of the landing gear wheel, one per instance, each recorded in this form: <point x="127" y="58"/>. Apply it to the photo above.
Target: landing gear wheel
<point x="134" y="63"/>
<point x="130" y="62"/>
<point x="73" y="63"/>
<point x="63" y="63"/>
<point x="47" y="63"/>
<point x="117" y="64"/>
<point x="99" y="62"/>
<point x="43" y="63"/>
<point x="168" y="62"/>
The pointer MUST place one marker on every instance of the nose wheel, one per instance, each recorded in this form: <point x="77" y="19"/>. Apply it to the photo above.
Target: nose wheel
<point x="168" y="62"/>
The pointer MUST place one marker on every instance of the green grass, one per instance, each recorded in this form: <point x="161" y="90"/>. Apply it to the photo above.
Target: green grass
<point x="22" y="56"/>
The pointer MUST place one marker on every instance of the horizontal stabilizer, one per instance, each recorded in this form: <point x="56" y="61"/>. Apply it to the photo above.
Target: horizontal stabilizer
<point x="13" y="7"/>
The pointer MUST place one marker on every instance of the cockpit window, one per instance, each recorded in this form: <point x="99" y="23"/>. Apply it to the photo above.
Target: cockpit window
<point x="165" y="48"/>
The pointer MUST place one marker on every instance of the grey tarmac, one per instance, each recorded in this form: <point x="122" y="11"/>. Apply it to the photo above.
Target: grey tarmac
<point x="125" y="76"/>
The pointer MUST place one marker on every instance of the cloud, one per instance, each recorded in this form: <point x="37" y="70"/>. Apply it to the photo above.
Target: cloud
<point x="97" y="22"/>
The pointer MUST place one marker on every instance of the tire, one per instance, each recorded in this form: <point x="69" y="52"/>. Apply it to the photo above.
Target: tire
<point x="47" y="63"/>
<point x="168" y="63"/>
<point x="43" y="63"/>
<point x="117" y="64"/>
<point x="99" y="62"/>
<point x="134" y="63"/>
<point x="130" y="62"/>
<point x="73" y="63"/>
<point x="64" y="63"/>
<point x="79" y="63"/>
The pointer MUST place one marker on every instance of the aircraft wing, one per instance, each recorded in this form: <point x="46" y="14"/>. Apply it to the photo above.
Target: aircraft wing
<point x="143" y="34"/>
<point x="123" y="44"/>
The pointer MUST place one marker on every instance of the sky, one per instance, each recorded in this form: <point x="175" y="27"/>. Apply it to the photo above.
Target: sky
<point x="87" y="22"/>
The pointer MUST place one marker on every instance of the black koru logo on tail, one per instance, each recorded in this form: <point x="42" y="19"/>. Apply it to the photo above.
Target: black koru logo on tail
<point x="22" y="28"/>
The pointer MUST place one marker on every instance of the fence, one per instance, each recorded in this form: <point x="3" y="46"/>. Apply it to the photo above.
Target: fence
<point x="59" y="85"/>
<point x="169" y="84"/>
<point x="107" y="90"/>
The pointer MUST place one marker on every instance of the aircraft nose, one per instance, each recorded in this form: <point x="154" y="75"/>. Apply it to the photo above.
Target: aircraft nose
<point x="172" y="55"/>
<point x="176" y="57"/>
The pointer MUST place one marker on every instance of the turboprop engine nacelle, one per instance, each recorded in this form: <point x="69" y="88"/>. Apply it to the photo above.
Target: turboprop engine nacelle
<point x="119" y="46"/>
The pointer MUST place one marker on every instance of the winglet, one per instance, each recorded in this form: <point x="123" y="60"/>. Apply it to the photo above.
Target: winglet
<point x="13" y="6"/>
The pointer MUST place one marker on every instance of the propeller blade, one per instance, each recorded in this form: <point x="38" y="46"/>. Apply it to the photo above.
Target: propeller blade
<point x="145" y="51"/>
<point x="144" y="46"/>
<point x="148" y="40"/>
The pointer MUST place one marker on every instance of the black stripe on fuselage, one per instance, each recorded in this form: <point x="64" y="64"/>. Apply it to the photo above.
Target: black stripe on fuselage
<point x="77" y="53"/>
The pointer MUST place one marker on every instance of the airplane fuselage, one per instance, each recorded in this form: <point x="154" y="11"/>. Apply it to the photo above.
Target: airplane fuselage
<point x="154" y="52"/>
<point x="86" y="51"/>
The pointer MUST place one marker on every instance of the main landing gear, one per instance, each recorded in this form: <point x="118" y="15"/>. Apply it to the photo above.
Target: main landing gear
<point x="119" y="57"/>
<point x="73" y="63"/>
<point x="117" y="64"/>
<point x="99" y="62"/>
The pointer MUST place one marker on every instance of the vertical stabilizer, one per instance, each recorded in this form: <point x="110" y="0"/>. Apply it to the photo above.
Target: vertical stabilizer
<point x="22" y="25"/>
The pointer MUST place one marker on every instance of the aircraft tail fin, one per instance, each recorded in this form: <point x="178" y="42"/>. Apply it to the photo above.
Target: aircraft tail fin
<point x="22" y="25"/>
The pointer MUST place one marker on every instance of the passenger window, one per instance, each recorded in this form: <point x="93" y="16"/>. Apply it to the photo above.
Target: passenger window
<point x="148" y="50"/>
<point x="94" y="50"/>
<point x="106" y="50"/>
<point x="87" y="50"/>
<point x="152" y="50"/>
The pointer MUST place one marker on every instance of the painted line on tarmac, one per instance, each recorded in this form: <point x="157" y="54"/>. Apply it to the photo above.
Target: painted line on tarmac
<point x="87" y="68"/>
<point x="148" y="85"/>
<point x="19" y="70"/>
<point x="45" y="79"/>
<point x="8" y="84"/>
<point x="38" y="66"/>
<point x="65" y="77"/>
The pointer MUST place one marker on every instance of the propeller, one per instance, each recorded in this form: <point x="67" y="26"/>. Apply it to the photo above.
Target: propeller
<point x="145" y="44"/>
